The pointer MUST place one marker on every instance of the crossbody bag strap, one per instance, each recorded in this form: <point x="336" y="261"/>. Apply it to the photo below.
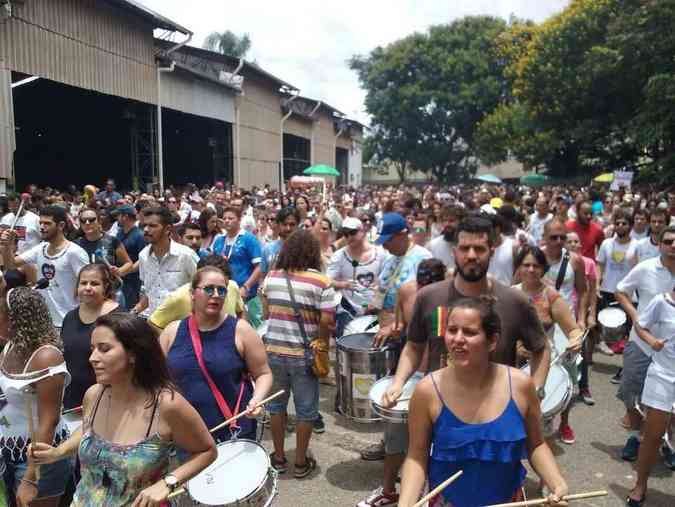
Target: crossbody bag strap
<point x="563" y="268"/>
<point x="296" y="310"/>
<point x="220" y="400"/>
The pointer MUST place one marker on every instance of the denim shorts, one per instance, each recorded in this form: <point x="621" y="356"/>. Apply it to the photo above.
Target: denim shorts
<point x="53" y="481"/>
<point x="293" y="375"/>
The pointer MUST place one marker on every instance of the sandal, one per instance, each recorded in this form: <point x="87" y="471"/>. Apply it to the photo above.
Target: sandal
<point x="302" y="471"/>
<point x="279" y="465"/>
<point x="631" y="502"/>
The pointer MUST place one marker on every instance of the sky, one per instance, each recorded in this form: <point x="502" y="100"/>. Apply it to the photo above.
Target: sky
<point x="307" y="43"/>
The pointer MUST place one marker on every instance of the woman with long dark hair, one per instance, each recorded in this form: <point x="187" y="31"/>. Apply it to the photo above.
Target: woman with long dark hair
<point x="208" y="223"/>
<point x="133" y="417"/>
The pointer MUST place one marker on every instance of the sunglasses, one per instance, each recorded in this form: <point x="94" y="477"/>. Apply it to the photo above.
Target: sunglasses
<point x="88" y="220"/>
<point x="668" y="242"/>
<point x="621" y="224"/>
<point x="557" y="237"/>
<point x="350" y="232"/>
<point x="212" y="290"/>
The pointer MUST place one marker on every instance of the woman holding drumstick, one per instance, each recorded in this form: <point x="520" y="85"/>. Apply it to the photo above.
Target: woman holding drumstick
<point x="132" y="419"/>
<point x="476" y="416"/>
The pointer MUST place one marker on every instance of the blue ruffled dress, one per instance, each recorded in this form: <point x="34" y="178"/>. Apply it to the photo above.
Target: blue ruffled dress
<point x="489" y="454"/>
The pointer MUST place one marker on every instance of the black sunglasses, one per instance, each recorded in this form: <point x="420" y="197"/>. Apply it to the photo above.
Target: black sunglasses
<point x="88" y="220"/>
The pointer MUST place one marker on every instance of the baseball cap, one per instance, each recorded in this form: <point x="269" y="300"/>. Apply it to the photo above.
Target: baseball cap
<point x="392" y="223"/>
<point x="126" y="209"/>
<point x="352" y="223"/>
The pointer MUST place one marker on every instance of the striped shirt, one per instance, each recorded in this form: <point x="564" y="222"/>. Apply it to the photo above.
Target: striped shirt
<point x="313" y="293"/>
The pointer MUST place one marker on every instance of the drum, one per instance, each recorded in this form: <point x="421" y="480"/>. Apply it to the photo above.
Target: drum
<point x="399" y="412"/>
<point x="612" y="323"/>
<point x="559" y="390"/>
<point x="364" y="324"/>
<point x="241" y="476"/>
<point x="359" y="366"/>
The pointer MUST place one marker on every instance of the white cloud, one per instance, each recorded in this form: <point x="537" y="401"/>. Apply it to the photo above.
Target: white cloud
<point x="307" y="42"/>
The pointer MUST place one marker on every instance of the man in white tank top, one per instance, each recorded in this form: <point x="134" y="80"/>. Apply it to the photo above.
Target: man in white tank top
<point x="505" y="249"/>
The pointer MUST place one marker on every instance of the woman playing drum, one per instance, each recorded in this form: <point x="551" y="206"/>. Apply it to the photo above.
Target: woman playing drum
<point x="132" y="418"/>
<point x="476" y="416"/>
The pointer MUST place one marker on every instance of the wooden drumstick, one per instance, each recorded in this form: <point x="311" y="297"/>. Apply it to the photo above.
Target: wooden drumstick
<point x="18" y="214"/>
<point x="232" y="419"/>
<point x="543" y="501"/>
<point x="438" y="489"/>
<point x="75" y="410"/>
<point x="31" y="430"/>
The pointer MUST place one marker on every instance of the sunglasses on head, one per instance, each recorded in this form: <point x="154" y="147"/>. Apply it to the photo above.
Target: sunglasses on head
<point x="212" y="290"/>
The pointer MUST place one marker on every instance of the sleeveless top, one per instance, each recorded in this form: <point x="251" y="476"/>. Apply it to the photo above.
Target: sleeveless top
<point x="567" y="289"/>
<point x="18" y="389"/>
<point x="114" y="474"/>
<point x="489" y="454"/>
<point x="226" y="367"/>
<point x="543" y="302"/>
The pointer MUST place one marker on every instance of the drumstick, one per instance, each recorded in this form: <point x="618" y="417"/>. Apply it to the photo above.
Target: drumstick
<point x="31" y="430"/>
<point x="542" y="501"/>
<point x="74" y="410"/>
<point x="18" y="214"/>
<point x="438" y="489"/>
<point x="232" y="419"/>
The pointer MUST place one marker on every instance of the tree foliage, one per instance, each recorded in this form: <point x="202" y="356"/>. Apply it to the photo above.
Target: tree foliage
<point x="228" y="43"/>
<point x="427" y="92"/>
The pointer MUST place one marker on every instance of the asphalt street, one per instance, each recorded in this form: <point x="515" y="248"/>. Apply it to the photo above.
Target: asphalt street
<point x="592" y="463"/>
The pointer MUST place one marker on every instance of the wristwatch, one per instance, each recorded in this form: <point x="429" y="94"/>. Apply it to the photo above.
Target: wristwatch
<point x="541" y="392"/>
<point x="171" y="481"/>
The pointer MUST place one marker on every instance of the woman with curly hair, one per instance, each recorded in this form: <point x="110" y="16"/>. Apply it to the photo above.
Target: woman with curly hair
<point x="296" y="282"/>
<point x="33" y="376"/>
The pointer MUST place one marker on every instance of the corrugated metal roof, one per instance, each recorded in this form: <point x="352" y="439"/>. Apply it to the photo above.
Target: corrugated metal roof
<point x="206" y="77"/>
<point x="157" y="19"/>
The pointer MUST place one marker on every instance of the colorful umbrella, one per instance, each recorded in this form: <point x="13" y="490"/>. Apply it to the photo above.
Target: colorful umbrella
<point x="534" y="180"/>
<point x="321" y="170"/>
<point x="604" y="178"/>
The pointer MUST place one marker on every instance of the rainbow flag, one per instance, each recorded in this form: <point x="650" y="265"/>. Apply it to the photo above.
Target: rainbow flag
<point x="438" y="322"/>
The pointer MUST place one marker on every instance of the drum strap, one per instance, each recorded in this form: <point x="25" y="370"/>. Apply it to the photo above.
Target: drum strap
<point x="563" y="269"/>
<point x="220" y="400"/>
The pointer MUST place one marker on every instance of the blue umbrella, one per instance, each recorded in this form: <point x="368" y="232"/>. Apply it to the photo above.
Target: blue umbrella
<point x="488" y="178"/>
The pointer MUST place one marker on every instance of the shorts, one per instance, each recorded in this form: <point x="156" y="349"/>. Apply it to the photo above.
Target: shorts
<point x="635" y="366"/>
<point x="395" y="438"/>
<point x="53" y="481"/>
<point x="293" y="375"/>
<point x="659" y="390"/>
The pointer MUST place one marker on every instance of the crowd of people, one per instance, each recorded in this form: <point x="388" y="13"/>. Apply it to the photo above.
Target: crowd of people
<point x="156" y="316"/>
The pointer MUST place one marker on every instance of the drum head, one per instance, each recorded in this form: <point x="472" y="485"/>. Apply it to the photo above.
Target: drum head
<point x="558" y="389"/>
<point x="612" y="317"/>
<point x="364" y="324"/>
<point x="239" y="470"/>
<point x="383" y="384"/>
<point x="73" y="421"/>
<point x="359" y="341"/>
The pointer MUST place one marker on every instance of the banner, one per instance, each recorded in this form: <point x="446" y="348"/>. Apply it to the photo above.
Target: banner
<point x="622" y="179"/>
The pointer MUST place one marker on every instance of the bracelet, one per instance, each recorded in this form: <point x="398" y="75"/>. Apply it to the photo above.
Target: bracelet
<point x="28" y="481"/>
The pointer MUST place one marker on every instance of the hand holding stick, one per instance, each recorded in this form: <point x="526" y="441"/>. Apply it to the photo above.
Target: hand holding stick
<point x="438" y="489"/>
<point x="238" y="416"/>
<point x="544" y="501"/>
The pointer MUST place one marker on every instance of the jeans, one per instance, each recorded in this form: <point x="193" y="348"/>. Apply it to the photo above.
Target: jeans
<point x="294" y="375"/>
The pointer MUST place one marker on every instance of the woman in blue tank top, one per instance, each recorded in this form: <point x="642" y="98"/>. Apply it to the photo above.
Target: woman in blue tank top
<point x="476" y="416"/>
<point x="233" y="355"/>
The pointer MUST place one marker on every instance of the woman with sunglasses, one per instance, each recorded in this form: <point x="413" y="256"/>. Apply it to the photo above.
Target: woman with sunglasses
<point x="100" y="246"/>
<point x="212" y="345"/>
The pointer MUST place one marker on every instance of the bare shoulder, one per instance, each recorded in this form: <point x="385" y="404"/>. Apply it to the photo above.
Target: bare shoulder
<point x="244" y="328"/>
<point x="425" y="387"/>
<point x="521" y="381"/>
<point x="46" y="357"/>
<point x="168" y="335"/>
<point x="171" y="402"/>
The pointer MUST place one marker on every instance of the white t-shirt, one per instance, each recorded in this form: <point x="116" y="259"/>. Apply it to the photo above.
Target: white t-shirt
<point x="650" y="278"/>
<point x="27" y="230"/>
<point x="638" y="235"/>
<point x="340" y="268"/>
<point x="645" y="249"/>
<point x="442" y="250"/>
<point x="617" y="260"/>
<point x="501" y="262"/>
<point x="659" y="318"/>
<point x="536" y="227"/>
<point x="61" y="271"/>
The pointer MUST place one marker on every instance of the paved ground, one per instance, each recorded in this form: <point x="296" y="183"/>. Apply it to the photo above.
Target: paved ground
<point x="342" y="478"/>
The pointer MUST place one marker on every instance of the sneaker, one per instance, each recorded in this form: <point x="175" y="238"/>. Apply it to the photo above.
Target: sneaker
<point x="303" y="471"/>
<point x="567" y="435"/>
<point x="379" y="498"/>
<point x="616" y="379"/>
<point x="281" y="466"/>
<point x="319" y="426"/>
<point x="668" y="456"/>
<point x="585" y="395"/>
<point x="604" y="349"/>
<point x="630" y="450"/>
<point x="373" y="452"/>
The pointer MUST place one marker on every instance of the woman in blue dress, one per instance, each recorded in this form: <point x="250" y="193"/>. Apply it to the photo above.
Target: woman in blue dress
<point x="476" y="416"/>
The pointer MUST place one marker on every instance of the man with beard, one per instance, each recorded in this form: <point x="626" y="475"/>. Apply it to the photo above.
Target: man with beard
<point x="589" y="232"/>
<point x="615" y="259"/>
<point x="57" y="260"/>
<point x="648" y="248"/>
<point x="441" y="247"/>
<point x="475" y="244"/>
<point x="287" y="220"/>
<point x="163" y="265"/>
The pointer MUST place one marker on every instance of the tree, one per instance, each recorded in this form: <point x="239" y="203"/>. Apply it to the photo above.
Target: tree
<point x="426" y="93"/>
<point x="228" y="43"/>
